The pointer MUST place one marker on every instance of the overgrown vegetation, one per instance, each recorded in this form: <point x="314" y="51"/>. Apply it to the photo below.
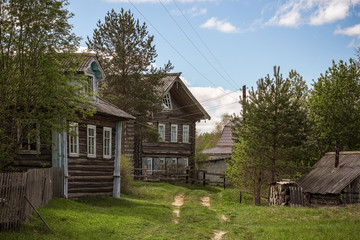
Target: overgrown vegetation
<point x="146" y="213"/>
<point x="37" y="71"/>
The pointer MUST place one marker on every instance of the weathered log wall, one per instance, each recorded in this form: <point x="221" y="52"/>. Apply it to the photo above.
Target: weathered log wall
<point x="92" y="176"/>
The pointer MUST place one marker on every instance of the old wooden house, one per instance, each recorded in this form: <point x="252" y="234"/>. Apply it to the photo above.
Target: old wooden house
<point x="90" y="153"/>
<point x="217" y="156"/>
<point x="176" y="125"/>
<point x="333" y="181"/>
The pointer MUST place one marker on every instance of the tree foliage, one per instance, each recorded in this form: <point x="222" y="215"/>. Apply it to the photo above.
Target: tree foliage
<point x="272" y="135"/>
<point x="127" y="55"/>
<point x="36" y="72"/>
<point x="335" y="107"/>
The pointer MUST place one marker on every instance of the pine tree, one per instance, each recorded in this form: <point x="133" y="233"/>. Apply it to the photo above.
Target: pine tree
<point x="272" y="135"/>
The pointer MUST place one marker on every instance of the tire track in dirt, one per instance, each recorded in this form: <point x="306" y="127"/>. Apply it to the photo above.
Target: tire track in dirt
<point x="178" y="202"/>
<point x="218" y="234"/>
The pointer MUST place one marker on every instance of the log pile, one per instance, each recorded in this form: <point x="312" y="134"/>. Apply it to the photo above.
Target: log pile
<point x="279" y="193"/>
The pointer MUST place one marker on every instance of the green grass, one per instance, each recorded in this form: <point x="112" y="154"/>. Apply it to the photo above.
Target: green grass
<point x="146" y="213"/>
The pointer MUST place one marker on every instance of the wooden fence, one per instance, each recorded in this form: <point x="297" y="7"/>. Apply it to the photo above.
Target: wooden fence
<point x="39" y="186"/>
<point x="186" y="175"/>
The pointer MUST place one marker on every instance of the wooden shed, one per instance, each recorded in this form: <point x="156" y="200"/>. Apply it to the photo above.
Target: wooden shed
<point x="285" y="193"/>
<point x="217" y="156"/>
<point x="332" y="183"/>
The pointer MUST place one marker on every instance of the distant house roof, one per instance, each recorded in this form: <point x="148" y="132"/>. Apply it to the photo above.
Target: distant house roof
<point x="173" y="84"/>
<point x="225" y="143"/>
<point x="325" y="179"/>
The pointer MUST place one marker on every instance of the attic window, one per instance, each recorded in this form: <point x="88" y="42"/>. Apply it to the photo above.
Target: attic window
<point x="167" y="101"/>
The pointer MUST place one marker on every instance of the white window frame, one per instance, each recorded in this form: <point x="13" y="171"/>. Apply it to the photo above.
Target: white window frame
<point x="161" y="133"/>
<point x="90" y="155"/>
<point x="74" y="139"/>
<point x="174" y="134"/>
<point x="149" y="169"/>
<point x="167" y="101"/>
<point x="186" y="134"/>
<point x="174" y="162"/>
<point x="19" y="133"/>
<point x="162" y="163"/>
<point x="186" y="162"/>
<point x="107" y="129"/>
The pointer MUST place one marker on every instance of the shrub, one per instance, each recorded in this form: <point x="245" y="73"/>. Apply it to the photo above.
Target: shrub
<point x="125" y="173"/>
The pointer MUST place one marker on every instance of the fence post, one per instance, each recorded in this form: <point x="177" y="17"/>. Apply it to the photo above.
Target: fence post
<point x="145" y="174"/>
<point x="204" y="176"/>
<point x="187" y="175"/>
<point x="224" y="182"/>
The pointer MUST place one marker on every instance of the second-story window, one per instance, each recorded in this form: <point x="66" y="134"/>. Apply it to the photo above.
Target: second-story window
<point x="74" y="140"/>
<point x="167" y="101"/>
<point x="161" y="130"/>
<point x="107" y="142"/>
<point x="185" y="134"/>
<point x="91" y="141"/>
<point x="174" y="132"/>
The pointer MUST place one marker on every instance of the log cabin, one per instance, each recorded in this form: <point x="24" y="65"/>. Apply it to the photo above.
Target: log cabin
<point x="176" y="124"/>
<point x="90" y="152"/>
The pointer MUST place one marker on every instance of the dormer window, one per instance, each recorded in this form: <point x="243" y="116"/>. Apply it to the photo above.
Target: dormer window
<point x="167" y="101"/>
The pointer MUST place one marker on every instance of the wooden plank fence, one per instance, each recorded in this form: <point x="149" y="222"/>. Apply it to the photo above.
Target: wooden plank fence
<point x="185" y="175"/>
<point x="38" y="185"/>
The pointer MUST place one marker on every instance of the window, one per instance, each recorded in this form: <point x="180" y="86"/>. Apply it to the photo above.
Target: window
<point x="149" y="165"/>
<point x="174" y="130"/>
<point x="91" y="141"/>
<point x="174" y="162"/>
<point x="161" y="130"/>
<point x="74" y="140"/>
<point x="29" y="137"/>
<point x="186" y="162"/>
<point x="185" y="134"/>
<point x="107" y="142"/>
<point x="167" y="101"/>
<point x="162" y="164"/>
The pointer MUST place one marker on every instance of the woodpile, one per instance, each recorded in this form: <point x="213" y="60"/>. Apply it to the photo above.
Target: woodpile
<point x="285" y="193"/>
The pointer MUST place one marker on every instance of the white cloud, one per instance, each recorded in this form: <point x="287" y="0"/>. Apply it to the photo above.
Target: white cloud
<point x="195" y="11"/>
<point x="330" y="12"/>
<point x="220" y="25"/>
<point x="216" y="101"/>
<point x="313" y="12"/>
<point x="353" y="31"/>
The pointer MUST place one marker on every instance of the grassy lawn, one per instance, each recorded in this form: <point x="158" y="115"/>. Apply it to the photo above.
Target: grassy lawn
<point x="147" y="213"/>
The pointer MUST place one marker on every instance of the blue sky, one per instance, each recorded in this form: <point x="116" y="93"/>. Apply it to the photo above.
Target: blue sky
<point x="236" y="42"/>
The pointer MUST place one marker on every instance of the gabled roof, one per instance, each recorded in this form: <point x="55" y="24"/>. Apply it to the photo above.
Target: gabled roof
<point x="172" y="83"/>
<point x="324" y="179"/>
<point x="225" y="143"/>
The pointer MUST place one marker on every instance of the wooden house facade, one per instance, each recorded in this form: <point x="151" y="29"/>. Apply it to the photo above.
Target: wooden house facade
<point x="90" y="152"/>
<point x="332" y="182"/>
<point x="176" y="125"/>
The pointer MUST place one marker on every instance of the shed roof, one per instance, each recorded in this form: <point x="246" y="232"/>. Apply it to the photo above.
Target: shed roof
<point x="172" y="83"/>
<point x="225" y="143"/>
<point x="107" y="108"/>
<point x="325" y="179"/>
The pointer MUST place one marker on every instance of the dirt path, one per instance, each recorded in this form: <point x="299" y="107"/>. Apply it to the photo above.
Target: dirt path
<point x="218" y="235"/>
<point x="205" y="201"/>
<point x="178" y="202"/>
